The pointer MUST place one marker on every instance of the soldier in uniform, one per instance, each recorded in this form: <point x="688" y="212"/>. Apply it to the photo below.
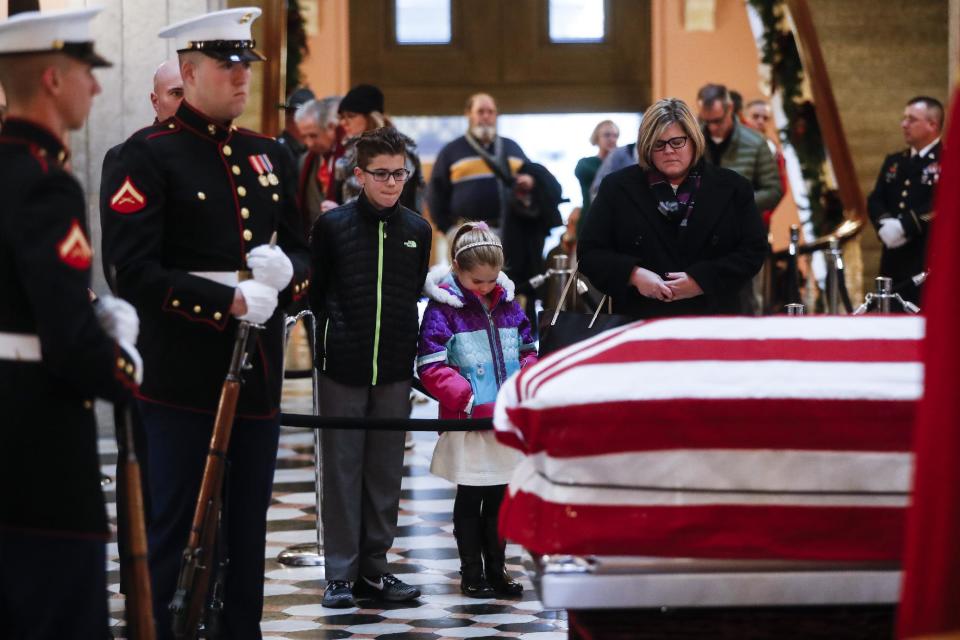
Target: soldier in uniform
<point x="187" y="229"/>
<point x="901" y="204"/>
<point x="55" y="357"/>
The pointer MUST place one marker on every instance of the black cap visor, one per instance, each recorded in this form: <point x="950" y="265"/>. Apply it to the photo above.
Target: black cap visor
<point x="82" y="51"/>
<point x="228" y="50"/>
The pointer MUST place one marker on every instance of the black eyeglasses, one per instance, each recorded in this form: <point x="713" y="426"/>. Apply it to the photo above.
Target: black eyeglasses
<point x="382" y="175"/>
<point x="675" y="143"/>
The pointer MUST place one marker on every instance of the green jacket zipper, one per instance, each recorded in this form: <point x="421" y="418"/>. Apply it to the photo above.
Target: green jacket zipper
<point x="376" y="332"/>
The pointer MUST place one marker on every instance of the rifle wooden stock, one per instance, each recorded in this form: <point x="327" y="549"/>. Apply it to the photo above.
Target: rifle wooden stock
<point x="139" y="600"/>
<point x="193" y="583"/>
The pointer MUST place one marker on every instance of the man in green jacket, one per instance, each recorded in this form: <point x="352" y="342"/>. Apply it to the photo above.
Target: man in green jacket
<point x="737" y="147"/>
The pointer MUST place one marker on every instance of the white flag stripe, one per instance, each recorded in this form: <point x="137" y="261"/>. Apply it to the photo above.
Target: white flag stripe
<point x="735" y="380"/>
<point x="735" y="470"/>
<point x="811" y="328"/>
<point x="526" y="478"/>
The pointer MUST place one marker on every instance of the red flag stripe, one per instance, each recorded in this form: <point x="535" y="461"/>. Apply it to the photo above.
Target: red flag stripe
<point x="710" y="531"/>
<point x="648" y="425"/>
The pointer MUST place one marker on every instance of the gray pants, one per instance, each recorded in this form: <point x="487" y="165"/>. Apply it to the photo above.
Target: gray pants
<point x="362" y="471"/>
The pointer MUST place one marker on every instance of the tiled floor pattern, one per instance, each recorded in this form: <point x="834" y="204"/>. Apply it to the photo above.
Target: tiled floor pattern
<point x="424" y="554"/>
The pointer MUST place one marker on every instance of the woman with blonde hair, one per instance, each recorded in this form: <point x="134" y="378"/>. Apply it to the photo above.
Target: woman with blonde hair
<point x="672" y="235"/>
<point x="604" y="137"/>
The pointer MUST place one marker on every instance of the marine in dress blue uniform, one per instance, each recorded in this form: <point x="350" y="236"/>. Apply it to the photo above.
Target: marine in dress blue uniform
<point x="55" y="357"/>
<point x="197" y="195"/>
<point x="901" y="203"/>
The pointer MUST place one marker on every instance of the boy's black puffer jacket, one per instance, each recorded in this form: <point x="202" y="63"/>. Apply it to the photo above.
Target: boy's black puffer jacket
<point x="368" y="270"/>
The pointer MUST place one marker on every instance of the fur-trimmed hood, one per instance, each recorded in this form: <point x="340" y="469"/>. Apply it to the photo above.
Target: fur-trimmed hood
<point x="440" y="286"/>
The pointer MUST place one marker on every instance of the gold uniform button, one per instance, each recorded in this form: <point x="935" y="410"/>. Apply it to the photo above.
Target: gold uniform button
<point x="212" y="129"/>
<point x="87" y="405"/>
<point x="906" y="183"/>
<point x="217" y="315"/>
<point x="244" y="213"/>
<point x="201" y="195"/>
<point x="175" y="303"/>
<point x="129" y="369"/>
<point x="247" y="235"/>
<point x="121" y="362"/>
<point x="276" y="197"/>
<point x="236" y="169"/>
<point x="903" y="205"/>
<point x="904" y="193"/>
<point x="296" y="288"/>
<point x="171" y="126"/>
<point x="227" y="150"/>
<point x="197" y="309"/>
<point x="241" y="191"/>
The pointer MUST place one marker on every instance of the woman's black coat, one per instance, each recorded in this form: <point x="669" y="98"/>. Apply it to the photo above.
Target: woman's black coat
<point x="722" y="247"/>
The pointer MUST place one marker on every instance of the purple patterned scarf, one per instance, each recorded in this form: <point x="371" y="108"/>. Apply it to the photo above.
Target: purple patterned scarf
<point x="675" y="207"/>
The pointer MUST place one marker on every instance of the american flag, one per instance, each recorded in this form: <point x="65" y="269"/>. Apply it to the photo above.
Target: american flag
<point x="762" y="438"/>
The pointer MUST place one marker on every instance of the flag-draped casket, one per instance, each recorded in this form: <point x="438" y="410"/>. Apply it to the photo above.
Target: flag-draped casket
<point x="761" y="438"/>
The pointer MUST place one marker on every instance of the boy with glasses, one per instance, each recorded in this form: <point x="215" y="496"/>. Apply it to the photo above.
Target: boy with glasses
<point x="370" y="259"/>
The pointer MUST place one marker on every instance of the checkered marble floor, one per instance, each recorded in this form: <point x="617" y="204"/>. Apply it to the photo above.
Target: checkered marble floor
<point x="424" y="554"/>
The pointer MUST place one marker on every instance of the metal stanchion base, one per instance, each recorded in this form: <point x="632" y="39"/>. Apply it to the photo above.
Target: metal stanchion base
<point x="307" y="554"/>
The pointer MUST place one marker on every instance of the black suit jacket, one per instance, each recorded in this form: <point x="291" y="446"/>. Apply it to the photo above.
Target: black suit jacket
<point x="722" y="247"/>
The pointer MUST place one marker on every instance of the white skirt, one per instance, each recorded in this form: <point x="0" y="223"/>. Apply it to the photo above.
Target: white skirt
<point x="473" y="458"/>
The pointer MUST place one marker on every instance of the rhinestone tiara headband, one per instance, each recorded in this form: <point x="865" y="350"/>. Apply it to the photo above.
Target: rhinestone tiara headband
<point x="482" y="243"/>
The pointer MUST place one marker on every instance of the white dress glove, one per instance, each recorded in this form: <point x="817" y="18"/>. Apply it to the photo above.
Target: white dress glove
<point x="261" y="300"/>
<point x="133" y="356"/>
<point x="118" y="318"/>
<point x="891" y="233"/>
<point x="270" y="266"/>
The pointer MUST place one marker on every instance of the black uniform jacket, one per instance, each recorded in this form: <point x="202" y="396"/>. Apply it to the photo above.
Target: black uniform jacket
<point x="368" y="270"/>
<point x="190" y="195"/>
<point x="904" y="191"/>
<point x="49" y="468"/>
<point x="722" y="247"/>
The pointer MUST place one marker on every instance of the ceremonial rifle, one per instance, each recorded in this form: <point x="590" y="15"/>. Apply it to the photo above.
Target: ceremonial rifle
<point x="196" y="566"/>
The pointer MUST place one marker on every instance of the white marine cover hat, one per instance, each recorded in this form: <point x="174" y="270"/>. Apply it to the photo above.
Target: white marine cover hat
<point x="224" y="35"/>
<point x="66" y="32"/>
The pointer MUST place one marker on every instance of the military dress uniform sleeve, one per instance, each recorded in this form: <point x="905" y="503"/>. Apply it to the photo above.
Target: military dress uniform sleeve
<point x="290" y="235"/>
<point x="133" y="246"/>
<point x="54" y="257"/>
<point x="877" y="207"/>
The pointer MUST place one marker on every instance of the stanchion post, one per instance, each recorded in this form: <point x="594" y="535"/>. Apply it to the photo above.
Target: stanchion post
<point x="308" y="554"/>
<point x="834" y="273"/>
<point x="559" y="272"/>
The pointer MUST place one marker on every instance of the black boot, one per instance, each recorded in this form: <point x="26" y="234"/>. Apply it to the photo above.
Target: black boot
<point x="494" y="560"/>
<point x="469" y="538"/>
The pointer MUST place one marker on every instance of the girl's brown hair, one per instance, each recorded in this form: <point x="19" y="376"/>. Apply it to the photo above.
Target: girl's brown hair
<point x="475" y="244"/>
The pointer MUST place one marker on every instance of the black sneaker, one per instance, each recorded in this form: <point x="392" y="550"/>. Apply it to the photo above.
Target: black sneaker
<point x="338" y="595"/>
<point x="386" y="587"/>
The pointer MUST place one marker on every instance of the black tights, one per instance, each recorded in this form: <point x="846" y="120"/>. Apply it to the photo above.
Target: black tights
<point x="474" y="502"/>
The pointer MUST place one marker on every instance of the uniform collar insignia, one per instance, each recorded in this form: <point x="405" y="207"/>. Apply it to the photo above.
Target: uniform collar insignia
<point x="200" y="124"/>
<point x="46" y="144"/>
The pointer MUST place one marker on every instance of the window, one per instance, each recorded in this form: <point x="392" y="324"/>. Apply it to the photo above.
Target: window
<point x="576" y="21"/>
<point x="422" y="21"/>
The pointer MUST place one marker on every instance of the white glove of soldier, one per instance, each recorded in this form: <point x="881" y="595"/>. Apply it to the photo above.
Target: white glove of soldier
<point x="118" y="318"/>
<point x="270" y="266"/>
<point x="891" y="233"/>
<point x="261" y="301"/>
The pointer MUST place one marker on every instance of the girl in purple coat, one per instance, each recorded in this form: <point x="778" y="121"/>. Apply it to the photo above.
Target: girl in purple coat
<point x="473" y="337"/>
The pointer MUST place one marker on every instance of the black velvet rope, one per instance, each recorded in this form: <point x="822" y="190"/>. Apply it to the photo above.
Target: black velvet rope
<point x="303" y="421"/>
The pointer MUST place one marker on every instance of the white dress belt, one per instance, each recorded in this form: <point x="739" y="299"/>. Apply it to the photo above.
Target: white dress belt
<point x="23" y="347"/>
<point x="228" y="278"/>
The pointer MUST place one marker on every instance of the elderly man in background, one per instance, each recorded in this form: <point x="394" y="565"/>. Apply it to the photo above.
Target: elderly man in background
<point x="463" y="186"/>
<point x="901" y="203"/>
<point x="317" y="121"/>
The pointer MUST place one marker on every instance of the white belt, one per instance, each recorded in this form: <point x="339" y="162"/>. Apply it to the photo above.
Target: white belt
<point x="22" y="347"/>
<point x="228" y="278"/>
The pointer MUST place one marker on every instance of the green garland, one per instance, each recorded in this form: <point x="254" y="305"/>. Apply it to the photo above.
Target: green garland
<point x="297" y="48"/>
<point x="779" y="51"/>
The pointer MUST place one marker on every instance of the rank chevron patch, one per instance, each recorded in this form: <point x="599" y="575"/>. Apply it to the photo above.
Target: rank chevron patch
<point x="127" y="199"/>
<point x="74" y="249"/>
